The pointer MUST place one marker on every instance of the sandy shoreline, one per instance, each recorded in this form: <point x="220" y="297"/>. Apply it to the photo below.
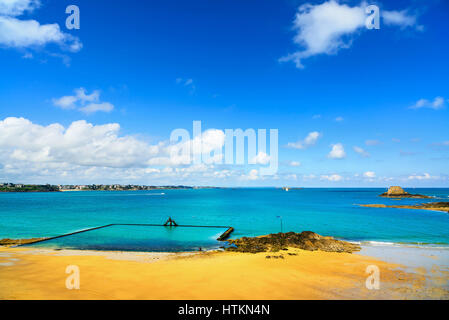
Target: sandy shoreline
<point x="299" y="274"/>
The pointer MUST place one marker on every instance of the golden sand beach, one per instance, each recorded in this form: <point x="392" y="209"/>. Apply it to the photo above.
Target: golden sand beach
<point x="299" y="274"/>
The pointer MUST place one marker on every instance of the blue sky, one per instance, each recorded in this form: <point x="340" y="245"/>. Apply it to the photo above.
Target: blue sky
<point x="154" y="66"/>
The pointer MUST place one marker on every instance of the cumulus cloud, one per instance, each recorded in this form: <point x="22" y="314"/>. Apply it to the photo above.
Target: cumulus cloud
<point x="87" y="103"/>
<point x="337" y="152"/>
<point x="437" y="104"/>
<point x="85" y="152"/>
<point x="332" y="177"/>
<point x="17" y="33"/>
<point x="369" y="174"/>
<point x="81" y="144"/>
<point x="330" y="26"/>
<point x="361" y="151"/>
<point x="208" y="145"/>
<point x="308" y="141"/>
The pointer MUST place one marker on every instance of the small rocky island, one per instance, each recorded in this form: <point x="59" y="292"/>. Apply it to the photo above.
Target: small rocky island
<point x="398" y="192"/>
<point x="306" y="240"/>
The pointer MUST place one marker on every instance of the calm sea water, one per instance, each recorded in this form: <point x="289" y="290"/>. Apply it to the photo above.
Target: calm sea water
<point x="250" y="211"/>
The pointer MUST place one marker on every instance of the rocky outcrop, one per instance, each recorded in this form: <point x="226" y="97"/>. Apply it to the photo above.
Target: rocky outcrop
<point x="435" y="206"/>
<point x="12" y="242"/>
<point x="306" y="240"/>
<point x="398" y="192"/>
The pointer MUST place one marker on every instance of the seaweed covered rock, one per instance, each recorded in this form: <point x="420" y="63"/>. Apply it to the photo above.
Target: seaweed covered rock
<point x="11" y="242"/>
<point x="306" y="240"/>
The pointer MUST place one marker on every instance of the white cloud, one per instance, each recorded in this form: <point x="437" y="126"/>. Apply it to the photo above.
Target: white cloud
<point x="222" y="174"/>
<point x="437" y="104"/>
<point x="337" y="152"/>
<point x="252" y="175"/>
<point x="369" y="174"/>
<point x="84" y="97"/>
<point x="86" y="152"/>
<point x="424" y="176"/>
<point x="330" y="26"/>
<point x="17" y="7"/>
<point x="361" y="151"/>
<point x="81" y="144"/>
<point x="261" y="158"/>
<point x="66" y="102"/>
<point x="210" y="142"/>
<point x="16" y="33"/>
<point x="399" y="18"/>
<point x="294" y="163"/>
<point x="332" y="178"/>
<point x="87" y="103"/>
<point x="95" y="107"/>
<point x="372" y="142"/>
<point x="339" y="119"/>
<point x="310" y="140"/>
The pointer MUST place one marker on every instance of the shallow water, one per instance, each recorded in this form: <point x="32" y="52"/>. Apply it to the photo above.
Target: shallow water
<point x="139" y="238"/>
<point x="250" y="211"/>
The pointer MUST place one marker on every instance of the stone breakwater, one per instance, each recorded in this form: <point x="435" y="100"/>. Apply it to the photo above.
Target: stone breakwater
<point x="306" y="240"/>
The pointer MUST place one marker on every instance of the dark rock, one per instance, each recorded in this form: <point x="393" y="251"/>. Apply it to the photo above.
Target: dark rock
<point x="11" y="242"/>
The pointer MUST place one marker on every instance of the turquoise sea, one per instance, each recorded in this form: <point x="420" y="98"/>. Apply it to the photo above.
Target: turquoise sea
<point x="251" y="211"/>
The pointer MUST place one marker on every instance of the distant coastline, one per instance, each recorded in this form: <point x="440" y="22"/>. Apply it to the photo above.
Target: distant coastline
<point x="11" y="187"/>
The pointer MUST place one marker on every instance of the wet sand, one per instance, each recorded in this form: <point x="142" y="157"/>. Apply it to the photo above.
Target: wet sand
<point x="299" y="274"/>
